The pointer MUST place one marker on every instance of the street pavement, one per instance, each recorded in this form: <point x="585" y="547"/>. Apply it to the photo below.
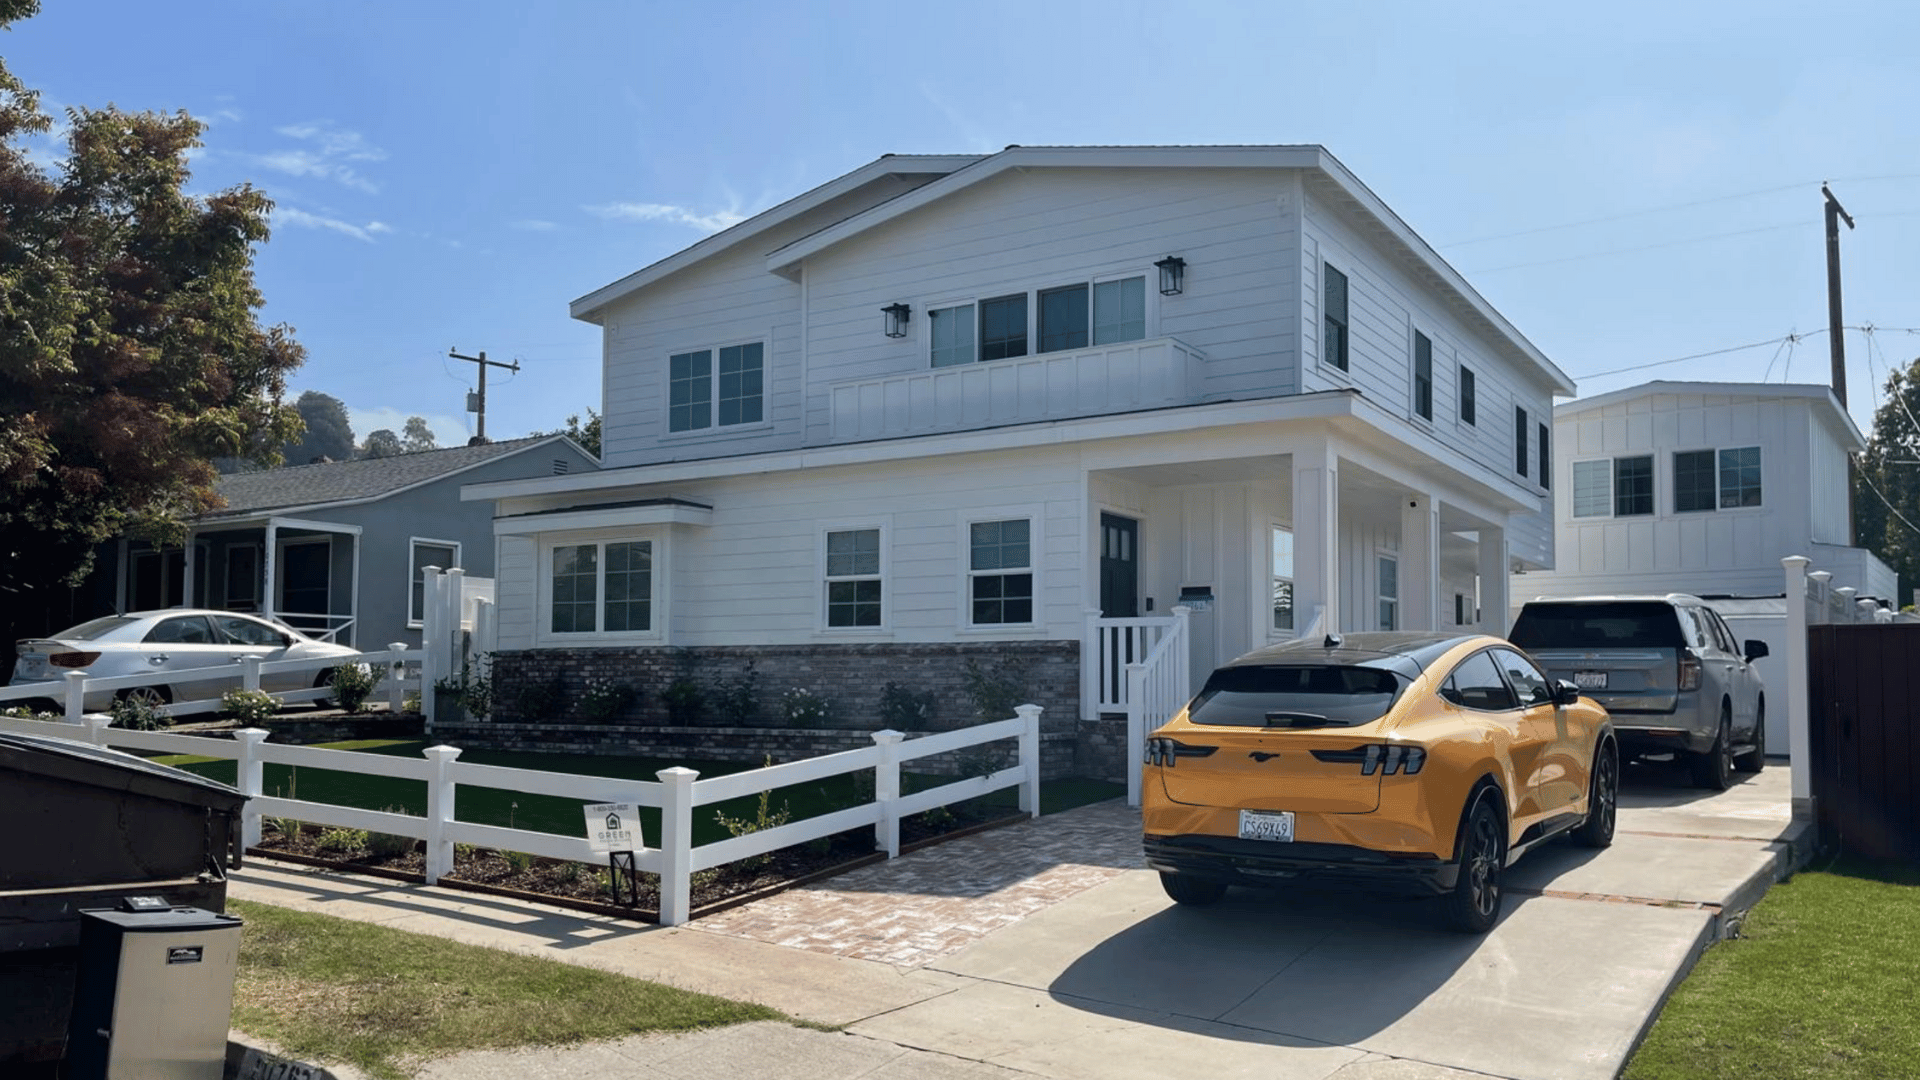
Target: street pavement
<point x="1043" y="950"/>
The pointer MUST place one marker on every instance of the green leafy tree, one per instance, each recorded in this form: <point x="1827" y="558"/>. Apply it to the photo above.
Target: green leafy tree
<point x="1887" y="484"/>
<point x="130" y="355"/>
<point x="329" y="433"/>
<point x="417" y="436"/>
<point x="382" y="443"/>
<point x="587" y="434"/>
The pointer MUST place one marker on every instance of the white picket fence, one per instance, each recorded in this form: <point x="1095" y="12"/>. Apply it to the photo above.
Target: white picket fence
<point x="396" y="660"/>
<point x="677" y="794"/>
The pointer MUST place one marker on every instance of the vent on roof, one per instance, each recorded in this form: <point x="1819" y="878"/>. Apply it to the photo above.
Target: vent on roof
<point x="560" y="466"/>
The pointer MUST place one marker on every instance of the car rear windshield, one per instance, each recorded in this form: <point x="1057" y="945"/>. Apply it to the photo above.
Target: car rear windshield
<point x="1646" y="624"/>
<point x="1295" y="696"/>
<point x="95" y="628"/>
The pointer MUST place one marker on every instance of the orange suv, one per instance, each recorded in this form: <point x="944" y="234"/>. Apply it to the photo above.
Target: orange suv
<point x="1420" y="762"/>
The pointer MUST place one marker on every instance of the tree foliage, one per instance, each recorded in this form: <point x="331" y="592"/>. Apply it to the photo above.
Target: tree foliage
<point x="130" y="355"/>
<point x="382" y="443"/>
<point x="1887" y="484"/>
<point x="587" y="434"/>
<point x="329" y="433"/>
<point x="417" y="436"/>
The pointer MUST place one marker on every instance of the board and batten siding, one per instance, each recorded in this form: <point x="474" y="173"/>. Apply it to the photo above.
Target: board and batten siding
<point x="1385" y="306"/>
<point x="1025" y="231"/>
<point x="729" y="298"/>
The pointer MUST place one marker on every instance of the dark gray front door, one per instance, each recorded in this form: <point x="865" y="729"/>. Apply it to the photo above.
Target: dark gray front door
<point x="1119" y="567"/>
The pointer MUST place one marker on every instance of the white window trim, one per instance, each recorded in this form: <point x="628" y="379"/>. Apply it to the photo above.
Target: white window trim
<point x="414" y="623"/>
<point x="1674" y="493"/>
<point x="885" y="528"/>
<point x="1414" y="334"/>
<point x="1149" y="331"/>
<point x="764" y="340"/>
<point x="1613" y="505"/>
<point x="1573" y="490"/>
<point x="1322" y="361"/>
<point x="1380" y="595"/>
<point x="1460" y="395"/>
<point x="1717" y="451"/>
<point x="543" y="587"/>
<point x="1036" y="523"/>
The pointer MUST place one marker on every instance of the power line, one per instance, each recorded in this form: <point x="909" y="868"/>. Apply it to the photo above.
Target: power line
<point x="1644" y="247"/>
<point x="1891" y="509"/>
<point x="1784" y="342"/>
<point x="1696" y="356"/>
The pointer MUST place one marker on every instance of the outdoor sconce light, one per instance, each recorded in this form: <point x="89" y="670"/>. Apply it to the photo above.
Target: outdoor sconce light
<point x="897" y="316"/>
<point x="1173" y="275"/>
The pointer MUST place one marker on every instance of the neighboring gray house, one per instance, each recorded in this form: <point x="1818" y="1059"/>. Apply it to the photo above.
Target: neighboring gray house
<point x="334" y="549"/>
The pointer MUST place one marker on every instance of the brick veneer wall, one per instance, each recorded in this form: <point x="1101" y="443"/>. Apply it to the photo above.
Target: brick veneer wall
<point x="850" y="675"/>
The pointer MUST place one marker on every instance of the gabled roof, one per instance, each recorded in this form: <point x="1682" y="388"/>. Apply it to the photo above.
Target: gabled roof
<point x="362" y="480"/>
<point x="589" y="305"/>
<point x="1819" y="396"/>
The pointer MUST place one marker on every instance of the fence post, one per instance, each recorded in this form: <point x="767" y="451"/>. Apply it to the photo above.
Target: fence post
<point x="76" y="695"/>
<point x="1847" y="611"/>
<point x="886" y="789"/>
<point x="97" y="726"/>
<point x="676" y="844"/>
<point x="1799" y="721"/>
<point x="1136" y="728"/>
<point x="1183" y="656"/>
<point x="247" y="776"/>
<point x="439" y="810"/>
<point x="429" y="629"/>
<point x="450" y="634"/>
<point x="1029" y="758"/>
<point x="250" y="672"/>
<point x="396" y="668"/>
<point x="1090" y="666"/>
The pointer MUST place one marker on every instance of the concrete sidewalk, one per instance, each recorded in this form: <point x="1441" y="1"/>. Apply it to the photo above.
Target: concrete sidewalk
<point x="1036" y="951"/>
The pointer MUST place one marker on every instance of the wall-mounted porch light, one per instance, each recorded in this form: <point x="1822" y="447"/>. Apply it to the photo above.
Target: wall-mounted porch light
<point x="897" y="316"/>
<point x="1173" y="275"/>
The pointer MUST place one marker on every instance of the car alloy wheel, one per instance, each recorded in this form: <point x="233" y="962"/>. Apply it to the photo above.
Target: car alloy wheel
<point x="1474" y="904"/>
<point x="1603" y="802"/>
<point x="1713" y="770"/>
<point x="152" y="697"/>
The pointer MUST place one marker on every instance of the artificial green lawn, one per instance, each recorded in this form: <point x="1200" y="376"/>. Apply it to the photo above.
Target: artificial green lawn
<point x="385" y="1000"/>
<point x="1823" y="982"/>
<point x="551" y="814"/>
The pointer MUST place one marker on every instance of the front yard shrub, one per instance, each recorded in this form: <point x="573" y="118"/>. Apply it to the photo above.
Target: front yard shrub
<point x="472" y="689"/>
<point x="542" y="700"/>
<point x="995" y="691"/>
<point x="342" y="841"/>
<point x="23" y="713"/>
<point x="762" y="820"/>
<point x="903" y="708"/>
<point x="686" y="702"/>
<point x="737" y="700"/>
<point x="353" y="684"/>
<point x="138" y="713"/>
<point x="604" y="700"/>
<point x="250" y="705"/>
<point x="805" y="709"/>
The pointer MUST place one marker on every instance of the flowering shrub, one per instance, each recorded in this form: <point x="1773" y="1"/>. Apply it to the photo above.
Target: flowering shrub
<point x="249" y="704"/>
<point x="353" y="684"/>
<point x="604" y="699"/>
<point x="805" y="709"/>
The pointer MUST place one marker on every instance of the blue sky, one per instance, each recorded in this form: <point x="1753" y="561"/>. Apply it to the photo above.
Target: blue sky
<point x="1627" y="183"/>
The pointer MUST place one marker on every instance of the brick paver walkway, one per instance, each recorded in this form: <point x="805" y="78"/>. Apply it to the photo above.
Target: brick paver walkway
<point x="914" y="909"/>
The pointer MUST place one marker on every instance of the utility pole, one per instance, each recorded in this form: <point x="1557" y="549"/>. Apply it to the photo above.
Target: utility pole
<point x="484" y="364"/>
<point x="1836" y="338"/>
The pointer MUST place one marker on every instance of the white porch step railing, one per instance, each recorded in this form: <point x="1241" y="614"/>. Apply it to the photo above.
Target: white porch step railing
<point x="1110" y="645"/>
<point x="1157" y="687"/>
<point x="676" y="794"/>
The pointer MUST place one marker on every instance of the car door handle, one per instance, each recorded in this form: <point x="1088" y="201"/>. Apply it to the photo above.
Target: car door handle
<point x="160" y="658"/>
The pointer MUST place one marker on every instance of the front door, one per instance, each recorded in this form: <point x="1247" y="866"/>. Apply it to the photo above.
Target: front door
<point x="1119" y="567"/>
<point x="306" y="582"/>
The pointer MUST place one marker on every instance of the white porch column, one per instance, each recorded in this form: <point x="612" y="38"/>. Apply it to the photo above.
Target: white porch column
<point x="186" y="573"/>
<point x="1493" y="581"/>
<point x="1799" y="716"/>
<point x="1316" y="538"/>
<point x="268" y="568"/>
<point x="1419" y="563"/>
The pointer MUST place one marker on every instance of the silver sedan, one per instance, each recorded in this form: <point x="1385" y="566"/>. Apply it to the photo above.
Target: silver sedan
<point x="166" y="644"/>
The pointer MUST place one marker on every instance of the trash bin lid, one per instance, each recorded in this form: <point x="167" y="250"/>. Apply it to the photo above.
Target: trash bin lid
<point x="99" y="766"/>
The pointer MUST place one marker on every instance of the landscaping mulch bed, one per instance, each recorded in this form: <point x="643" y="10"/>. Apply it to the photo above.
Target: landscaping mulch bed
<point x="588" y="887"/>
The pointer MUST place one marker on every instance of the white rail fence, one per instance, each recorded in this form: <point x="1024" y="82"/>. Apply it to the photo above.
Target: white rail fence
<point x="393" y="663"/>
<point x="676" y="794"/>
<point x="1110" y="645"/>
<point x="1158" y="686"/>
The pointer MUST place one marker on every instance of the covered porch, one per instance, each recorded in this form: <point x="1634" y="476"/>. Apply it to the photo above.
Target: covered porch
<point x="304" y="573"/>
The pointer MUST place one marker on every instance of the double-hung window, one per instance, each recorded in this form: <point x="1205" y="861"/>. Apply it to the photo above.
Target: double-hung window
<point x="444" y="554"/>
<point x="1422" y="376"/>
<point x="693" y="404"/>
<point x="1333" y="322"/>
<point x="600" y="587"/>
<point x="1282" y="578"/>
<point x="1546" y="456"/>
<point x="1520" y="440"/>
<point x="1740" y="477"/>
<point x="853" y="578"/>
<point x="1633" y="486"/>
<point x="1000" y="572"/>
<point x="1075" y="316"/>
<point x="1466" y="394"/>
<point x="1693" y="481"/>
<point x="1389" y="575"/>
<point x="1593" y="488"/>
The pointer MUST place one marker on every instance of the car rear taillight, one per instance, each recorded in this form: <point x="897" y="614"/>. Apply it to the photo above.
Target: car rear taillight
<point x="1689" y="675"/>
<point x="72" y="659"/>
<point x="1372" y="758"/>
<point x="1165" y="751"/>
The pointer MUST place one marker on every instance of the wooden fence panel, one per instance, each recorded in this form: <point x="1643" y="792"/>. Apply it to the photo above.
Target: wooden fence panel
<point x="1864" y="691"/>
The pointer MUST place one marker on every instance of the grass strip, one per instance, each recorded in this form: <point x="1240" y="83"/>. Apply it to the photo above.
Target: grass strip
<point x="1821" y="983"/>
<point x="386" y="1001"/>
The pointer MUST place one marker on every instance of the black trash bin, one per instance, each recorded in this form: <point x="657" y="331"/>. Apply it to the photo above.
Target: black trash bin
<point x="85" y="827"/>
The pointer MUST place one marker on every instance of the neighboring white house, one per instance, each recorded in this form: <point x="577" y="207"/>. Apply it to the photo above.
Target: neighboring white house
<point x="950" y="408"/>
<point x="1702" y="488"/>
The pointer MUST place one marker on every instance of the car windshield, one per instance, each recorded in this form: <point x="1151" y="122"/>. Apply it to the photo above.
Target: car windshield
<point x="95" y="628"/>
<point x="1295" y="695"/>
<point x="1623" y="624"/>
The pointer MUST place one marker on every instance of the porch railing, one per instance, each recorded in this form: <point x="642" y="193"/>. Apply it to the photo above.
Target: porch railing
<point x="1157" y="687"/>
<point x="1110" y="645"/>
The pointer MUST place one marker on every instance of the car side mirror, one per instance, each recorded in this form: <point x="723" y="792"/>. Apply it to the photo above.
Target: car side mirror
<point x="286" y="641"/>
<point x="1565" y="693"/>
<point x="1755" y="649"/>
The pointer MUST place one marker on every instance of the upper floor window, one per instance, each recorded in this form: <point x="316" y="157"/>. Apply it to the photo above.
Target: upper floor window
<point x="1693" y="481"/>
<point x="1520" y="440"/>
<point x="853" y="578"/>
<point x="1716" y="479"/>
<point x="1000" y="571"/>
<point x="1633" y="486"/>
<point x="1466" y="394"/>
<point x="1333" y="347"/>
<point x="1546" y="456"/>
<point x="1422" y="376"/>
<point x="692" y="404"/>
<point x="1740" y="477"/>
<point x="1593" y="488"/>
<point x="1076" y="316"/>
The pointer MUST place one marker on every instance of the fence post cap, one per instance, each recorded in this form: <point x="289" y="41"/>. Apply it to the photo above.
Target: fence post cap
<point x="1799" y="561"/>
<point x="1032" y="710"/>
<point x="889" y="737"/>
<point x="442" y="753"/>
<point x="96" y="721"/>
<point x="251" y="735"/>
<point x="677" y="775"/>
<point x="397" y="646"/>
<point x="81" y="675"/>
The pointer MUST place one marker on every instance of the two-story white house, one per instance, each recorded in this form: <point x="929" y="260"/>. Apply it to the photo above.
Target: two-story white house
<point x="1702" y="488"/>
<point x="1013" y="409"/>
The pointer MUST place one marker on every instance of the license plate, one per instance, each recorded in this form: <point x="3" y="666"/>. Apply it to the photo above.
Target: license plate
<point x="1262" y="825"/>
<point x="1590" y="680"/>
<point x="32" y="668"/>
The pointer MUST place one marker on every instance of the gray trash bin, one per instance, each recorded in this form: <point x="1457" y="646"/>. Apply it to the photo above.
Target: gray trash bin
<point x="153" y="996"/>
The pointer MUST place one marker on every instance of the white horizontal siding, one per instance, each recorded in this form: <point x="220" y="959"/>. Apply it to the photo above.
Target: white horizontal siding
<point x="514" y="576"/>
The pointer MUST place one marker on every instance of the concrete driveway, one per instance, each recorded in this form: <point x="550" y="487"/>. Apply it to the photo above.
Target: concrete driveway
<point x="1041" y="950"/>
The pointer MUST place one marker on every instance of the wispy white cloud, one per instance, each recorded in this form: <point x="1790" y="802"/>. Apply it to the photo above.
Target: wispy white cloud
<point x="222" y="116"/>
<point x="677" y="215"/>
<point x="290" y="215"/>
<point x="532" y="225"/>
<point x="330" y="153"/>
